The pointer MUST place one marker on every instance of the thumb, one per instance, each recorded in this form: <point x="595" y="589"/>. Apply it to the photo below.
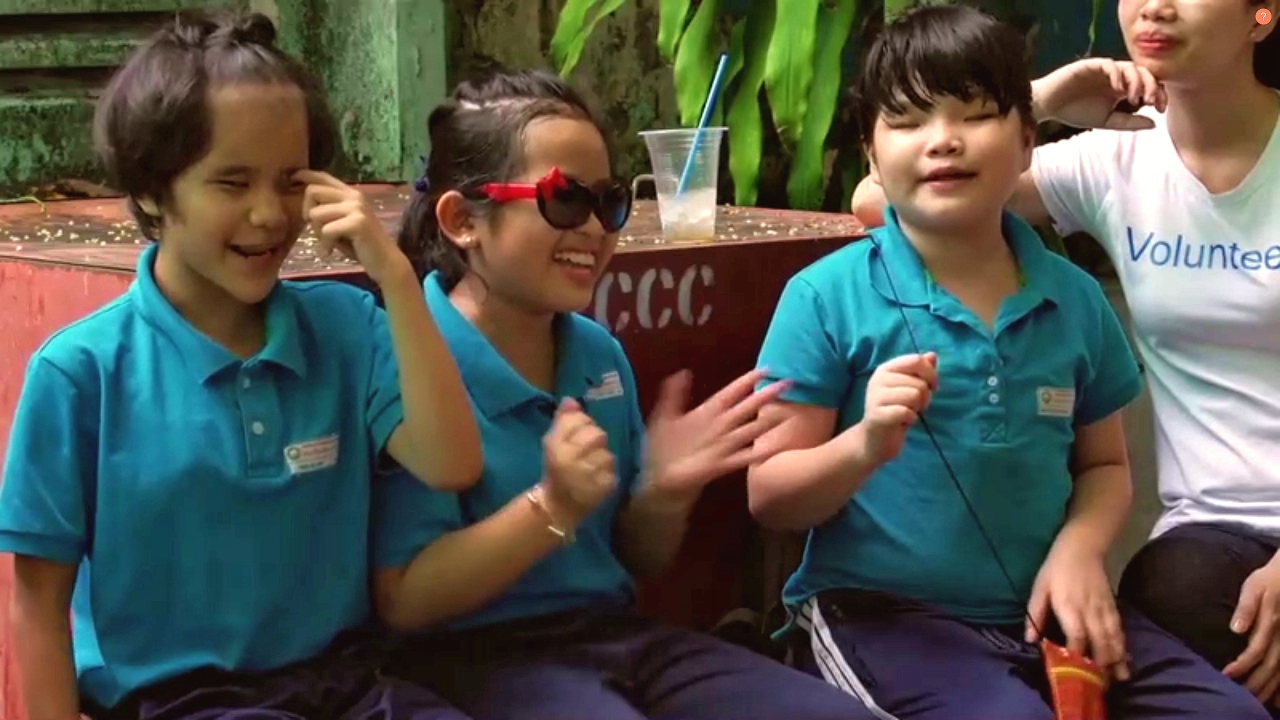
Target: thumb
<point x="566" y="406"/>
<point x="1037" y="613"/>
<point x="673" y="396"/>
<point x="1128" y="121"/>
<point x="1246" y="608"/>
<point x="931" y="358"/>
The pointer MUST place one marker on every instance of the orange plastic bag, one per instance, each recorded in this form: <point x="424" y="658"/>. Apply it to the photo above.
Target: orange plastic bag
<point x="1078" y="685"/>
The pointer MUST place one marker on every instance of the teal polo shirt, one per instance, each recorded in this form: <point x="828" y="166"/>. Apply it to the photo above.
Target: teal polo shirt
<point x="217" y="508"/>
<point x="513" y="417"/>
<point x="1008" y="401"/>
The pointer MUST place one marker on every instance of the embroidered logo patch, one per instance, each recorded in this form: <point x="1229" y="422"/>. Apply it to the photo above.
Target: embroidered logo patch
<point x="312" y="455"/>
<point x="1056" y="402"/>
<point x="610" y="386"/>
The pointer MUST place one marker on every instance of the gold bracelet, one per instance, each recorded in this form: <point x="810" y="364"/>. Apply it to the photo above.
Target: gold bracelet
<point x="537" y="496"/>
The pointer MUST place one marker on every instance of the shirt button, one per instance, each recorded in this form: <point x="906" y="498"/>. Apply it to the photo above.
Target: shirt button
<point x="258" y="428"/>
<point x="245" y="383"/>
<point x="993" y="398"/>
<point x="992" y="381"/>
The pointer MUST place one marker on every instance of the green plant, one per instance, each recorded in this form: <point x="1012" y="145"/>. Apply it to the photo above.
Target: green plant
<point x="790" y="63"/>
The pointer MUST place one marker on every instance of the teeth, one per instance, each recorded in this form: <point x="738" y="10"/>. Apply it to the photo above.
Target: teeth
<point x="577" y="259"/>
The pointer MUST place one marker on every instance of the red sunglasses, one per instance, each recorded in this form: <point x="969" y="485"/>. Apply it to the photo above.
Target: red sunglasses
<point x="566" y="203"/>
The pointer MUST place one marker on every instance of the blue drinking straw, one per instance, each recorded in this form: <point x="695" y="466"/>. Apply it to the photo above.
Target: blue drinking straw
<point x="712" y="97"/>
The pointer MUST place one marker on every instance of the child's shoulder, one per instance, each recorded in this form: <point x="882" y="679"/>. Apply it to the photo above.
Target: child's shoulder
<point x="593" y="339"/>
<point x="834" y="268"/>
<point x="1075" y="285"/>
<point x="89" y="344"/>
<point x="335" y="310"/>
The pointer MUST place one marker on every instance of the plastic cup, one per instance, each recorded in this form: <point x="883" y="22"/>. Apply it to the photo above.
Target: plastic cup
<point x="689" y="216"/>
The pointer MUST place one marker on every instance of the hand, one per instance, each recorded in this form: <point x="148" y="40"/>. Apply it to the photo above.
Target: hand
<point x="899" y="390"/>
<point x="687" y="450"/>
<point x="1073" y="583"/>
<point x="1085" y="94"/>
<point x="1258" y="613"/>
<point x="341" y="217"/>
<point x="579" y="466"/>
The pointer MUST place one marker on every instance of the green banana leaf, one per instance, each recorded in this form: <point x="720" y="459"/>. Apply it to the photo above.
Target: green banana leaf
<point x="1093" y="24"/>
<point x="808" y="164"/>
<point x="671" y="17"/>
<point x="574" y="27"/>
<point x="696" y="61"/>
<point x="894" y="8"/>
<point x="745" y="117"/>
<point x="788" y="72"/>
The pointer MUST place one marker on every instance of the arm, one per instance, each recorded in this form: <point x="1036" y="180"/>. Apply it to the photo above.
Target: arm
<point x="465" y="569"/>
<point x="42" y="637"/>
<point x="50" y="461"/>
<point x="439" y="440"/>
<point x="813" y="475"/>
<point x="1103" y="491"/>
<point x="651" y="529"/>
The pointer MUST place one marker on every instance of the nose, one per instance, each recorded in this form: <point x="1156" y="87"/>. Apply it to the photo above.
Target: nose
<point x="1157" y="10"/>
<point x="268" y="211"/>
<point x="944" y="139"/>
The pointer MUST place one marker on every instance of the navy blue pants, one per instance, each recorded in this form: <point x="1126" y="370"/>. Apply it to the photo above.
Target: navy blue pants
<point x="609" y="665"/>
<point x="345" y="684"/>
<point x="911" y="662"/>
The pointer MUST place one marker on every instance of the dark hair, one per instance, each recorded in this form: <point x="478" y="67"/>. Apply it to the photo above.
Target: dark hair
<point x="1266" y="58"/>
<point x="477" y="137"/>
<point x="152" y="122"/>
<point x="944" y="50"/>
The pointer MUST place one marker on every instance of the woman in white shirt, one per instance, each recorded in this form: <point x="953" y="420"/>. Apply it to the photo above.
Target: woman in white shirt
<point x="1189" y="213"/>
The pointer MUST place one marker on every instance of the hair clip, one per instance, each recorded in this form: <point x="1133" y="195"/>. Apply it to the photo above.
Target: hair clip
<point x="421" y="183"/>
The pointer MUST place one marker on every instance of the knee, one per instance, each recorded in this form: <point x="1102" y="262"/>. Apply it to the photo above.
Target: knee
<point x="1189" y="588"/>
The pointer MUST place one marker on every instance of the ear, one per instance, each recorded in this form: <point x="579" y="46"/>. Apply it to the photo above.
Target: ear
<point x="873" y="170"/>
<point x="149" y="206"/>
<point x="1028" y="147"/>
<point x="1267" y="11"/>
<point x="456" y="220"/>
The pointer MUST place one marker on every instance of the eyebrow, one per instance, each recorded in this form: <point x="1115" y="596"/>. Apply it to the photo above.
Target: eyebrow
<point x="246" y="170"/>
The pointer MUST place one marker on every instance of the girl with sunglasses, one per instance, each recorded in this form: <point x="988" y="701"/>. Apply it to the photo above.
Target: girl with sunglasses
<point x="530" y="572"/>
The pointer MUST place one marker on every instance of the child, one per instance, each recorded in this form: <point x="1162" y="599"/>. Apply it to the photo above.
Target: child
<point x="953" y="439"/>
<point x="531" y="570"/>
<point x="189" y="469"/>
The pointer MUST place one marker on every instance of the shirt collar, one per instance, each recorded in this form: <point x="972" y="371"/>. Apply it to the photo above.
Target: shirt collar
<point x="493" y="384"/>
<point x="205" y="357"/>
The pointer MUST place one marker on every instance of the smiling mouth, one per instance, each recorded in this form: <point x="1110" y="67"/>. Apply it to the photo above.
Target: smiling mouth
<point x="575" y="259"/>
<point x="258" y="252"/>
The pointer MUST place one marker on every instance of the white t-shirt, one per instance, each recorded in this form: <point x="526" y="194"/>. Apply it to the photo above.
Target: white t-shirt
<point x="1201" y="273"/>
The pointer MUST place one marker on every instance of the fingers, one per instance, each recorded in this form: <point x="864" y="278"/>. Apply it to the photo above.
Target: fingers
<point x="1106" y="639"/>
<point x="1037" y="612"/>
<point x="673" y="395"/>
<point x="1252" y="611"/>
<point x="1265" y="678"/>
<point x="1073" y="628"/>
<point x="733" y="393"/>
<point x="319" y="177"/>
<point x="922" y="366"/>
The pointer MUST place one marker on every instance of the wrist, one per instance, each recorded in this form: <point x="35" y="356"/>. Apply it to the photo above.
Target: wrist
<point x="659" y="500"/>
<point x="398" y="278"/>
<point x="1040" y="111"/>
<point x="1079" y="541"/>
<point x="856" y="447"/>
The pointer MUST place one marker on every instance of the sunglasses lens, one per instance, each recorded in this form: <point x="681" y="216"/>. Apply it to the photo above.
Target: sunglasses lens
<point x="615" y="208"/>
<point x="567" y="207"/>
